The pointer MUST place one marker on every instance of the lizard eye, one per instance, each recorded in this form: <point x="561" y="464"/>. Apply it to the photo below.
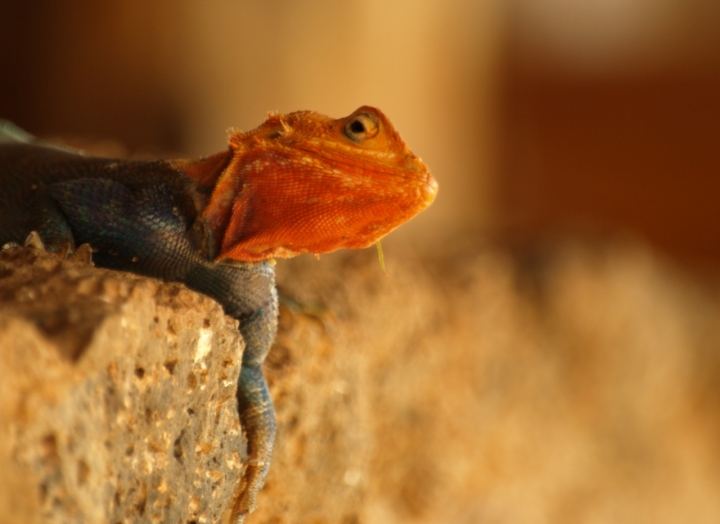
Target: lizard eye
<point x="361" y="127"/>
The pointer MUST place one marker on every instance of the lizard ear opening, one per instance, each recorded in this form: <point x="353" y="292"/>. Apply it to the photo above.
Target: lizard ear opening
<point x="361" y="126"/>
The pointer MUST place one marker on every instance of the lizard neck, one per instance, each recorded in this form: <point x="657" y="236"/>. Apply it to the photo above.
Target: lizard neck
<point x="205" y="171"/>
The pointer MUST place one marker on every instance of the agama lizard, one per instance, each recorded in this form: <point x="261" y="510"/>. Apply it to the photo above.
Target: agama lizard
<point x="299" y="183"/>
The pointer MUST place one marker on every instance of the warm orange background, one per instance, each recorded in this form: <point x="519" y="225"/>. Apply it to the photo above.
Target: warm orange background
<point x="535" y="115"/>
<point x="570" y="386"/>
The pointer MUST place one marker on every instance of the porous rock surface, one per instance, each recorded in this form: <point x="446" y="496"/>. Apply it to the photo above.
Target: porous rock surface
<point x="576" y="383"/>
<point x="116" y="397"/>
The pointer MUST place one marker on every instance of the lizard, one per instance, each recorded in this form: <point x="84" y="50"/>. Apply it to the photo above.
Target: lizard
<point x="299" y="183"/>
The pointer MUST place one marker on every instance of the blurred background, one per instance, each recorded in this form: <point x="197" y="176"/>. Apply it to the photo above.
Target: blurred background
<point x="536" y="116"/>
<point x="581" y="390"/>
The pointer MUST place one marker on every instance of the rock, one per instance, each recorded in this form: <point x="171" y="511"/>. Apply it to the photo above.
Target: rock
<point x="575" y="383"/>
<point x="570" y="384"/>
<point x="116" y="396"/>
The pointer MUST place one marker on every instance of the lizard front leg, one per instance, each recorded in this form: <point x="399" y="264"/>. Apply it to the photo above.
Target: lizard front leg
<point x="247" y="292"/>
<point x="138" y="228"/>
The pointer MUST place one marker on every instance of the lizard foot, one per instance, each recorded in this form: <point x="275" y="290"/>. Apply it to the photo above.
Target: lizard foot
<point x="252" y="483"/>
<point x="258" y="417"/>
<point x="64" y="250"/>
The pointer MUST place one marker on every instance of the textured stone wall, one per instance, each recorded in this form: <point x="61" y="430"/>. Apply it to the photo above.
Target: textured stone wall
<point x="573" y="384"/>
<point x="116" y="397"/>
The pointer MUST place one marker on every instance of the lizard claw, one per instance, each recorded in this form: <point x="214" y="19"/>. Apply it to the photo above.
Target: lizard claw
<point x="82" y="254"/>
<point x="34" y="240"/>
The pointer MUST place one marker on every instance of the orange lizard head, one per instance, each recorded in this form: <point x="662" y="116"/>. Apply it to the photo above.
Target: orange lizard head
<point x="306" y="183"/>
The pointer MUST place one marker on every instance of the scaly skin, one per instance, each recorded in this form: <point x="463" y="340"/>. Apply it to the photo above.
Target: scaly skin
<point x="299" y="183"/>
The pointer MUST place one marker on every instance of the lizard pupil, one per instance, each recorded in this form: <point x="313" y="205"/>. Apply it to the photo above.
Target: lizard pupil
<point x="357" y="127"/>
<point x="362" y="127"/>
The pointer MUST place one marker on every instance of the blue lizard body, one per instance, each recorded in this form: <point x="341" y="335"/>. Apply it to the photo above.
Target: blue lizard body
<point x="139" y="217"/>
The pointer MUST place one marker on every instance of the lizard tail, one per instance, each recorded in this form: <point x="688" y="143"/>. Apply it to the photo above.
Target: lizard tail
<point x="10" y="133"/>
